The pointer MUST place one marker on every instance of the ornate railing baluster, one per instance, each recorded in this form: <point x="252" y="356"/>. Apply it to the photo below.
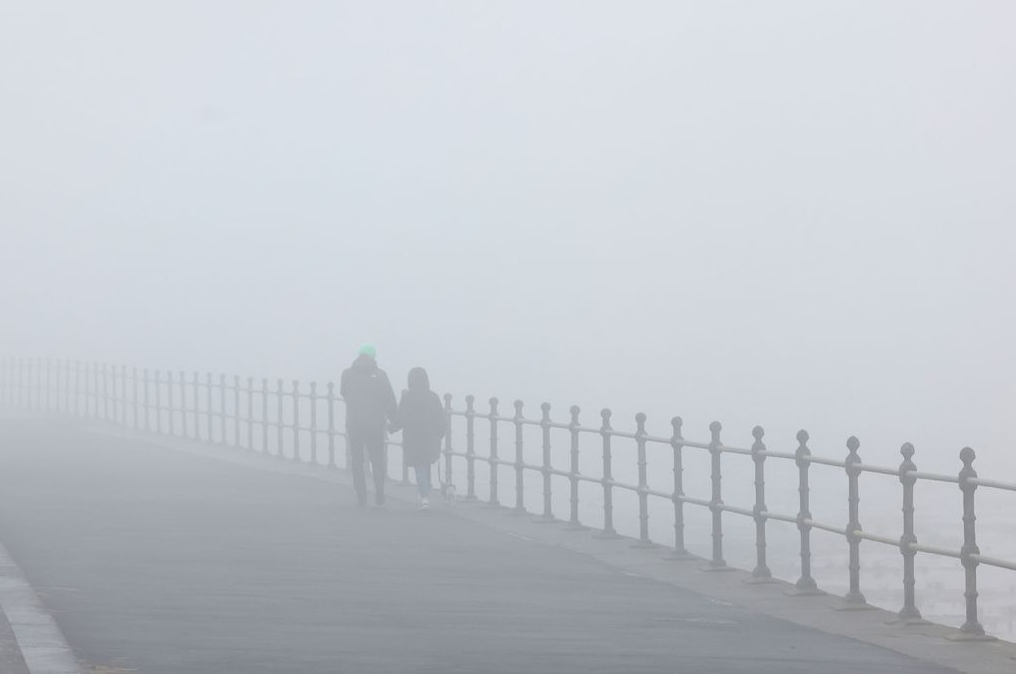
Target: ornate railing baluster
<point x="805" y="585"/>
<point x="643" y="488"/>
<point x="520" y="506"/>
<point x="607" y="480"/>
<point x="331" y="424"/>
<point x="677" y="445"/>
<point x="548" y="511"/>
<point x="183" y="405"/>
<point x="761" y="573"/>
<point x="250" y="413"/>
<point x="296" y="420"/>
<point x="196" y="393"/>
<point x="448" y="441"/>
<point x="222" y="408"/>
<point x="492" y="457"/>
<point x="853" y="470"/>
<point x="909" y="613"/>
<point x="574" y="523"/>
<point x="264" y="414"/>
<point x="470" y="449"/>
<point x="313" y="423"/>
<point x="280" y="421"/>
<point x="209" y="407"/>
<point x="971" y="629"/>
<point x="716" y="563"/>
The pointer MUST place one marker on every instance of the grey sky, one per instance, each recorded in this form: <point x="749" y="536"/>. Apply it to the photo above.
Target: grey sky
<point x="793" y="213"/>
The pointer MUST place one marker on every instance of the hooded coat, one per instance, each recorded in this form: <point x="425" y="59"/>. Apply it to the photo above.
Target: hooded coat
<point x="422" y="420"/>
<point x="370" y="400"/>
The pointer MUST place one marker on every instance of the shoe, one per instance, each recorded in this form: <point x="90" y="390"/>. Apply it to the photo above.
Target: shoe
<point x="424" y="503"/>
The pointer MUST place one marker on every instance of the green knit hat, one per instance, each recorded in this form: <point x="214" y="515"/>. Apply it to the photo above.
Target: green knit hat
<point x="368" y="350"/>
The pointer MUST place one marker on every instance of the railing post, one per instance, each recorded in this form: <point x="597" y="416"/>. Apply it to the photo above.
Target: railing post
<point x="196" y="390"/>
<point x="520" y="506"/>
<point x="470" y="449"/>
<point x="123" y="395"/>
<point x="236" y="410"/>
<point x="264" y="415"/>
<point x="909" y="613"/>
<point x="574" y="523"/>
<point x="25" y="383"/>
<point x="74" y="403"/>
<point x="643" y="491"/>
<point x="448" y="441"/>
<point x="183" y="405"/>
<point x="971" y="630"/>
<point x="761" y="573"/>
<point x="548" y="510"/>
<point x="296" y="420"/>
<point x="250" y="413"/>
<point x="716" y="563"/>
<point x="105" y="397"/>
<point x="48" y="398"/>
<point x="405" y="466"/>
<point x="146" y="402"/>
<point x="85" y="394"/>
<point x="677" y="445"/>
<point x="313" y="423"/>
<point x="222" y="407"/>
<point x="134" y="395"/>
<point x="493" y="452"/>
<point x="64" y="390"/>
<point x="331" y="424"/>
<point x="805" y="585"/>
<point x="158" y="402"/>
<point x="210" y="416"/>
<point x="29" y="388"/>
<point x="8" y="382"/>
<point x="608" y="477"/>
<point x="170" y="405"/>
<point x="62" y="385"/>
<point x="280" y="439"/>
<point x="852" y="467"/>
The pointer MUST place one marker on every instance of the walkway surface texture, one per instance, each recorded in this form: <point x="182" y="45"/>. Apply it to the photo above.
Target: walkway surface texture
<point x="159" y="561"/>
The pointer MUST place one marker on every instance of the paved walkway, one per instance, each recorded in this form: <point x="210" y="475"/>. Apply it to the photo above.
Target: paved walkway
<point x="158" y="561"/>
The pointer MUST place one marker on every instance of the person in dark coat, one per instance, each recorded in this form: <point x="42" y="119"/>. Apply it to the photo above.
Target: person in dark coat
<point x="422" y="421"/>
<point x="370" y="404"/>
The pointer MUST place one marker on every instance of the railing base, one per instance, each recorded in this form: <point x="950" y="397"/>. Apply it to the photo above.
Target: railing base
<point x="607" y="535"/>
<point x="852" y="606"/>
<point x="644" y="545"/>
<point x="760" y="580"/>
<point x="575" y="526"/>
<point x="968" y="637"/>
<point x="682" y="556"/>
<point x="543" y="519"/>
<point x="805" y="592"/>
<point x="517" y="512"/>
<point x="716" y="568"/>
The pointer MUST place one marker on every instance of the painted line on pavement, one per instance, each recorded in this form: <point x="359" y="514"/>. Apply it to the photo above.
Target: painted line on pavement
<point x="42" y="644"/>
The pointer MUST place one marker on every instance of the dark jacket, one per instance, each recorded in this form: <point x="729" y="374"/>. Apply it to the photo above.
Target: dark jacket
<point x="422" y="420"/>
<point x="370" y="400"/>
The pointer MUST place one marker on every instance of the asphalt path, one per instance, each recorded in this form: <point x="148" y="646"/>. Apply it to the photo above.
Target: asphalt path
<point x="162" y="562"/>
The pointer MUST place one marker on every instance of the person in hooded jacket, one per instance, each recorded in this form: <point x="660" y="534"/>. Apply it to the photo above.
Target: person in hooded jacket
<point x="421" y="418"/>
<point x="370" y="404"/>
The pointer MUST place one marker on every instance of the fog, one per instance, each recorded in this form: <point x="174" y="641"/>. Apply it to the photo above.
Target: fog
<point x="796" y="214"/>
<point x="793" y="215"/>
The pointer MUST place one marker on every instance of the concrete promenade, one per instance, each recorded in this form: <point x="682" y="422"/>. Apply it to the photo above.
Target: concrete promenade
<point x="163" y="561"/>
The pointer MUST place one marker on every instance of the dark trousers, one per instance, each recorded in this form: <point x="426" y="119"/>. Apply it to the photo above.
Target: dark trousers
<point x="371" y="442"/>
